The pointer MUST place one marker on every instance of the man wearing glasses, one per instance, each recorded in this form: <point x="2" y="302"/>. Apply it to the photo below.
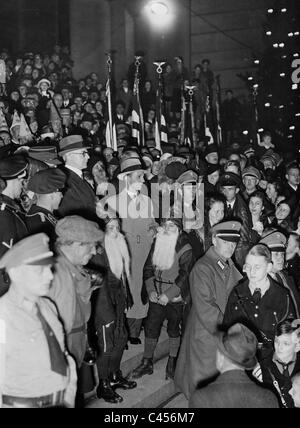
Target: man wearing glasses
<point x="79" y="197"/>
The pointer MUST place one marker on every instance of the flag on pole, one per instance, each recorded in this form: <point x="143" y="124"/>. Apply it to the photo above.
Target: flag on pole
<point x="111" y="131"/>
<point x="138" y="129"/>
<point x="55" y="119"/>
<point x="24" y="129"/>
<point x="15" y="127"/>
<point x="3" y="123"/>
<point x="187" y="124"/>
<point x="161" y="130"/>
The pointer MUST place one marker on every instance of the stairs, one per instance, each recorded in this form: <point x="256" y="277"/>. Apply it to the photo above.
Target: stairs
<point x="152" y="391"/>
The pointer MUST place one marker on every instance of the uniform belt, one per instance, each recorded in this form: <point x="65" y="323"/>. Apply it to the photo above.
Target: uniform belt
<point x="51" y="400"/>
<point x="80" y="329"/>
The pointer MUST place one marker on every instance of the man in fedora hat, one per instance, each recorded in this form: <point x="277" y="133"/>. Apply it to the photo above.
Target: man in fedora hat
<point x="211" y="281"/>
<point x="79" y="197"/>
<point x="236" y="351"/>
<point x="136" y="213"/>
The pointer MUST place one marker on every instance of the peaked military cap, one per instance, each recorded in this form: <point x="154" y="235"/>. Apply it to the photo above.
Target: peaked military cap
<point x="227" y="230"/>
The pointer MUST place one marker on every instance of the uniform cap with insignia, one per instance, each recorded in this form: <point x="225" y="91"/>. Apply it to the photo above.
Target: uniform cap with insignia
<point x="230" y="179"/>
<point x="13" y="167"/>
<point x="47" y="154"/>
<point x="251" y="171"/>
<point x="48" y="181"/>
<point x="211" y="148"/>
<point x="78" y="229"/>
<point x="227" y="230"/>
<point x="33" y="250"/>
<point x="275" y="241"/>
<point x="188" y="177"/>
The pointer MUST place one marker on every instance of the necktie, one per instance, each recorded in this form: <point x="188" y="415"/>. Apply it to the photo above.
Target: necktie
<point x="229" y="211"/>
<point x="256" y="296"/>
<point x="285" y="368"/>
<point x="57" y="357"/>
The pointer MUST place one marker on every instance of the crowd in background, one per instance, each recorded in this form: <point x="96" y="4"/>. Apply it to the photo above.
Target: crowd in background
<point x="126" y="261"/>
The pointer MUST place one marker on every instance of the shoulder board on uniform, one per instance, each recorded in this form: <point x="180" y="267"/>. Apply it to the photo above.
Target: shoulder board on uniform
<point x="221" y="264"/>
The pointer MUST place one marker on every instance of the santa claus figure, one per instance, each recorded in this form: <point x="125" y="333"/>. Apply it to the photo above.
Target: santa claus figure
<point x="111" y="304"/>
<point x="166" y="279"/>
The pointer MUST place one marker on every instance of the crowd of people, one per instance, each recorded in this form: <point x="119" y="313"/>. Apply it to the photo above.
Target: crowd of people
<point x="97" y="246"/>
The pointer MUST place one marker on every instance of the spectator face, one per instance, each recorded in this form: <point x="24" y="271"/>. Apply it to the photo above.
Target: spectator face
<point x="87" y="125"/>
<point x="293" y="176"/>
<point x="66" y="94"/>
<point x="268" y="164"/>
<point x="267" y="139"/>
<point x="229" y="96"/>
<point x="293" y="246"/>
<point x="295" y="392"/>
<point x="125" y="83"/>
<point x="151" y="115"/>
<point x="213" y="178"/>
<point x="84" y="95"/>
<point x="256" y="206"/>
<point x="257" y="268"/>
<point x="285" y="347"/>
<point x="135" y="181"/>
<point x="271" y="191"/>
<point x="148" y="86"/>
<point x="94" y="96"/>
<point x="94" y="77"/>
<point x="278" y="259"/>
<point x="213" y="158"/>
<point x="216" y="213"/>
<point x="58" y="99"/>
<point x="15" y="96"/>
<point x="55" y="58"/>
<point x="89" y="108"/>
<point x="108" y="154"/>
<point x="78" y="101"/>
<point x="282" y="212"/>
<point x="81" y="84"/>
<point x="35" y="74"/>
<point x="79" y="159"/>
<point x="225" y="249"/>
<point x="51" y="66"/>
<point x="250" y="183"/>
<point x="44" y="87"/>
<point x="56" y="200"/>
<point x="168" y="68"/>
<point x="120" y="109"/>
<point x="28" y="69"/>
<point x="99" y="107"/>
<point x="229" y="192"/>
<point x="113" y="228"/>
<point x="88" y="81"/>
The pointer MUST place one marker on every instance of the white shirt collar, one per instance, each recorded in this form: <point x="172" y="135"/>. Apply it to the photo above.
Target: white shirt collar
<point x="293" y="187"/>
<point x="75" y="170"/>
<point x="263" y="290"/>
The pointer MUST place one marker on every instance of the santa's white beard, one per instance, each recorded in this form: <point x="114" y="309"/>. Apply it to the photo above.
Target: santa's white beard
<point x="118" y="254"/>
<point x="164" y="250"/>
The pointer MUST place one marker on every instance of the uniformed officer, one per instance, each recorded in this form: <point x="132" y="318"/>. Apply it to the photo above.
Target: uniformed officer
<point x="48" y="186"/>
<point x="259" y="302"/>
<point x="211" y="282"/>
<point x="35" y="369"/>
<point x="12" y="224"/>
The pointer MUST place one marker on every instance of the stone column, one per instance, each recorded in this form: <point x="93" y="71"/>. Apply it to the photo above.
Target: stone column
<point x="90" y="31"/>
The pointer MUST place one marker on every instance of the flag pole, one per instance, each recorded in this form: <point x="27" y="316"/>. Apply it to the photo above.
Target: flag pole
<point x="137" y="93"/>
<point x="159" y="71"/>
<point x="113" y="142"/>
<point x="191" y="91"/>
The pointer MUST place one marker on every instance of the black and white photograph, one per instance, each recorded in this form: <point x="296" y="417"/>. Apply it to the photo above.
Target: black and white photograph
<point x="150" y="206"/>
